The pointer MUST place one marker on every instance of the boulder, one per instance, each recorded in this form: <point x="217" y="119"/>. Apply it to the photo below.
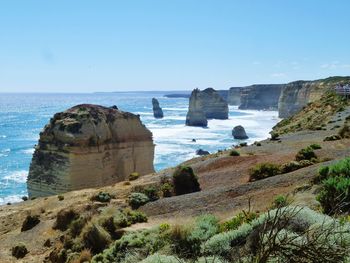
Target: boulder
<point x="89" y="146"/>
<point x="239" y="133"/>
<point x="157" y="110"/>
<point x="202" y="152"/>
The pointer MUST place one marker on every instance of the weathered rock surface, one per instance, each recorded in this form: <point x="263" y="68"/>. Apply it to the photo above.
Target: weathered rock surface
<point x="89" y="146"/>
<point x="202" y="152"/>
<point x="206" y="104"/>
<point x="157" y="110"/>
<point x="196" y="115"/>
<point x="260" y="97"/>
<point x="239" y="133"/>
<point x="234" y="96"/>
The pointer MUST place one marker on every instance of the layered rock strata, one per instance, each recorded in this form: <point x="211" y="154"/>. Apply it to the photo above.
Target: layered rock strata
<point x="89" y="146"/>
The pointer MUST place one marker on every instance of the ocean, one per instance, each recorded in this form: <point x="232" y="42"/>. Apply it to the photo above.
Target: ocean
<point x="23" y="116"/>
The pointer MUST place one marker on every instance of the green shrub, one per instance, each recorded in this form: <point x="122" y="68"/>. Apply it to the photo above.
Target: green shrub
<point x="185" y="181"/>
<point x="60" y="197"/>
<point x="95" y="237"/>
<point x="30" y="222"/>
<point x="102" y="197"/>
<point x="263" y="170"/>
<point x="274" y="136"/>
<point x="315" y="146"/>
<point x="64" y="218"/>
<point x="167" y="190"/>
<point x="152" y="193"/>
<point x="335" y="195"/>
<point x="77" y="225"/>
<point x="134" y="176"/>
<point x="306" y="154"/>
<point x="280" y="201"/>
<point x="341" y="168"/>
<point x="332" y="138"/>
<point x="237" y="221"/>
<point x="138" y="199"/>
<point x="243" y="144"/>
<point x="234" y="153"/>
<point x="19" y="251"/>
<point x="294" y="165"/>
<point x="135" y="216"/>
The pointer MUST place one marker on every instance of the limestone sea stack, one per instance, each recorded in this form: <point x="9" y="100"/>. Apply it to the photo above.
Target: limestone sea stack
<point x="89" y="146"/>
<point x="157" y="110"/>
<point x="195" y="115"/>
<point x="239" y="133"/>
<point x="206" y="104"/>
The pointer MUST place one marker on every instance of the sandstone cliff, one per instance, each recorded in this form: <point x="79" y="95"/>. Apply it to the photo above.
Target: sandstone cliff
<point x="196" y="115"/>
<point x="234" y="96"/>
<point x="208" y="103"/>
<point x="89" y="146"/>
<point x="260" y="97"/>
<point x="157" y="110"/>
<point x="296" y="95"/>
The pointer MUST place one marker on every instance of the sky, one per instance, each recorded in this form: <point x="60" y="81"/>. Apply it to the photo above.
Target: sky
<point x="115" y="45"/>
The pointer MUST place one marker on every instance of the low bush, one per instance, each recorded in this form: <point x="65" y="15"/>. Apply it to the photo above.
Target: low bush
<point x="315" y="146"/>
<point x="280" y="201"/>
<point x="60" y="197"/>
<point x="332" y="138"/>
<point x="341" y="168"/>
<point x="167" y="190"/>
<point x="344" y="132"/>
<point x="237" y="221"/>
<point x="137" y="199"/>
<point x="30" y="222"/>
<point x="102" y="197"/>
<point x="77" y="225"/>
<point x="152" y="193"/>
<point x="134" y="176"/>
<point x="185" y="181"/>
<point x="64" y="218"/>
<point x="234" y="153"/>
<point x="294" y="165"/>
<point x="274" y="136"/>
<point x="243" y="144"/>
<point x="19" y="251"/>
<point x="263" y="170"/>
<point x="306" y="154"/>
<point x="95" y="237"/>
<point x="335" y="195"/>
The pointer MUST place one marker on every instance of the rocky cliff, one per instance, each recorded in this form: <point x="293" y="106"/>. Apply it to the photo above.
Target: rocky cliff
<point x="296" y="95"/>
<point x="234" y="96"/>
<point x="260" y="97"/>
<point x="196" y="115"/>
<point x="206" y="103"/>
<point x="157" y="110"/>
<point x="89" y="146"/>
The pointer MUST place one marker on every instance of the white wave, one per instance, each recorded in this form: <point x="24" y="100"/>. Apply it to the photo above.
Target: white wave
<point x="28" y="151"/>
<point x="10" y="199"/>
<point x="17" y="176"/>
<point x="3" y="136"/>
<point x="175" y="109"/>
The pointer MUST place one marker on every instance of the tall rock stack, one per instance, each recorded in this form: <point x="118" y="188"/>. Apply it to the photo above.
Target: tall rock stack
<point x="206" y="104"/>
<point x="157" y="110"/>
<point x="196" y="115"/>
<point x="89" y="146"/>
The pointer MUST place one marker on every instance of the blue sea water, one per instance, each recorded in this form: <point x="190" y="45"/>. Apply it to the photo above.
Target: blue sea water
<point x="22" y="117"/>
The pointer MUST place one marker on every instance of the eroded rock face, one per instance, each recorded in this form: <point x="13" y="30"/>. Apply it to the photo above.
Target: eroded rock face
<point x="157" y="110"/>
<point x="260" y="97"/>
<point x="196" y="115"/>
<point x="89" y="146"/>
<point x="239" y="133"/>
<point x="206" y="104"/>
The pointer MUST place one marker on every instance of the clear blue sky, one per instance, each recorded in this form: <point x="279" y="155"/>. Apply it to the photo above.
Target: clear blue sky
<point x="101" y="45"/>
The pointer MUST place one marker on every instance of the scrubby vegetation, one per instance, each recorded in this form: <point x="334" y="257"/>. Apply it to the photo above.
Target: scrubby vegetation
<point x="263" y="170"/>
<point x="285" y="234"/>
<point x="134" y="176"/>
<point x="29" y="222"/>
<point x="102" y="197"/>
<point x="19" y="251"/>
<point x="138" y="199"/>
<point x="334" y="196"/>
<point x="185" y="181"/>
<point x="234" y="153"/>
<point x="334" y="137"/>
<point x="306" y="154"/>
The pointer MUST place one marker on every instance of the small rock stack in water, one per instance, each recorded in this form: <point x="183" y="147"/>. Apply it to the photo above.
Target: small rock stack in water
<point x="157" y="110"/>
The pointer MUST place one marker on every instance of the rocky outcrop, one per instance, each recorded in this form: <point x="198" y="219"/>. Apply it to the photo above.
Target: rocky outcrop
<point x="260" y="97"/>
<point x="206" y="104"/>
<point x="202" y="152"/>
<point x="239" y="133"/>
<point x="196" y="115"/>
<point x="89" y="146"/>
<point x="157" y="110"/>
<point x="234" y="96"/>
